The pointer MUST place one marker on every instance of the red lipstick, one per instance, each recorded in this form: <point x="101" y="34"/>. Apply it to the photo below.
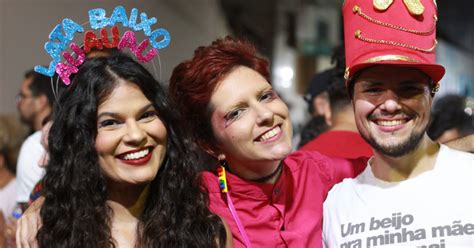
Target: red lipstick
<point x="136" y="162"/>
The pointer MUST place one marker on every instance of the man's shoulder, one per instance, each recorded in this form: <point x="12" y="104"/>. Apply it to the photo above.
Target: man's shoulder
<point x="455" y="153"/>
<point x="343" y="191"/>
<point x="449" y="158"/>
<point x="10" y="187"/>
<point x="33" y="139"/>
<point x="30" y="152"/>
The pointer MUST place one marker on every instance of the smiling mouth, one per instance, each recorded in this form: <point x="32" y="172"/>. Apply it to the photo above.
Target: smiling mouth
<point x="137" y="157"/>
<point x="269" y="134"/>
<point x="390" y="123"/>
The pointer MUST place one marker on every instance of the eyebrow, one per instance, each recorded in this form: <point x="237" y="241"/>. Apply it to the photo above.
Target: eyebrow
<point x="368" y="83"/>
<point x="116" y="115"/>
<point x="412" y="82"/>
<point x="241" y="103"/>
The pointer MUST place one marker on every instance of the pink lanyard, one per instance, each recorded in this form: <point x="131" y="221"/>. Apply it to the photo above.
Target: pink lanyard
<point x="230" y="204"/>
<point x="237" y="221"/>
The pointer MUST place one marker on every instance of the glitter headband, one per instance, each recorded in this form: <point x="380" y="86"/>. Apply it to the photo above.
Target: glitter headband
<point x="62" y="35"/>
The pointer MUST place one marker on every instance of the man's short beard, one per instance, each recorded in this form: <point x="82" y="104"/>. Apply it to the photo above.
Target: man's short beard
<point x="26" y="121"/>
<point x="397" y="150"/>
<point x="29" y="121"/>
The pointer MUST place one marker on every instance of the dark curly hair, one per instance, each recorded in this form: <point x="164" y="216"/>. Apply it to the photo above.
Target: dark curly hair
<point x="75" y="212"/>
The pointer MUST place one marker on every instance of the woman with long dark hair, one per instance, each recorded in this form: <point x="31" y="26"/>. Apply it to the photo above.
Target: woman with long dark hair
<point x="120" y="172"/>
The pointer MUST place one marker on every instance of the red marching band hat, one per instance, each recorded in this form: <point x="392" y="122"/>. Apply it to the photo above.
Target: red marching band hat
<point x="391" y="32"/>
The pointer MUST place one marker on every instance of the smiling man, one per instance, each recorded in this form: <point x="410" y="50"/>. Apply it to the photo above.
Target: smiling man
<point x="409" y="195"/>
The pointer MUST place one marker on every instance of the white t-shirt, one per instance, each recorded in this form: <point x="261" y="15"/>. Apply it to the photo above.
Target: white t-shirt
<point x="433" y="210"/>
<point x="28" y="172"/>
<point x="8" y="198"/>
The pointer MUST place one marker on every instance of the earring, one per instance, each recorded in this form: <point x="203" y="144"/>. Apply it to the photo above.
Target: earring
<point x="435" y="89"/>
<point x="221" y="159"/>
<point x="221" y="175"/>
<point x="222" y="162"/>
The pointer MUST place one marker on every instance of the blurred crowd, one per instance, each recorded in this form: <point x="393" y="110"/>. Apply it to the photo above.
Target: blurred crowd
<point x="22" y="152"/>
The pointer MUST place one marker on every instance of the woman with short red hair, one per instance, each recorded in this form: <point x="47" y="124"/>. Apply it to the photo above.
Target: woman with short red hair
<point x="269" y="196"/>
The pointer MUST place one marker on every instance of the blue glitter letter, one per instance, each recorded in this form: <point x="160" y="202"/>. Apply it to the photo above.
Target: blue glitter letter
<point x="146" y="23"/>
<point x="47" y="71"/>
<point x="164" y="42"/>
<point x="54" y="50"/>
<point x="119" y="15"/>
<point x="57" y="34"/>
<point x="97" y="18"/>
<point x="70" y="27"/>
<point x="133" y="20"/>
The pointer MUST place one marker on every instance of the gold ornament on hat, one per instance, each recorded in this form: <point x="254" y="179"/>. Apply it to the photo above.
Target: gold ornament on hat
<point x="358" y="35"/>
<point x="388" y="57"/>
<point x="415" y="7"/>
<point x="382" y="4"/>
<point x="358" y="10"/>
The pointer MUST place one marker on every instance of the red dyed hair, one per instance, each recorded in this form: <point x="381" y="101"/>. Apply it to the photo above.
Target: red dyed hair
<point x="193" y="81"/>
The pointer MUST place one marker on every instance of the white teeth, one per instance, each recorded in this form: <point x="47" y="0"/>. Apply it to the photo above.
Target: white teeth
<point x="390" y="123"/>
<point x="271" y="133"/>
<point x="137" y="155"/>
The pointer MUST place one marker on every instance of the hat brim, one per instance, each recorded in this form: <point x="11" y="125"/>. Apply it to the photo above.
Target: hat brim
<point x="435" y="71"/>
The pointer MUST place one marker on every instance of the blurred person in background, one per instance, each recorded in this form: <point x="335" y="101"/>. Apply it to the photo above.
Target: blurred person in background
<point x="34" y="100"/>
<point x="10" y="141"/>
<point x="343" y="129"/>
<point x="317" y="95"/>
<point x="44" y="160"/>
<point x="318" y="106"/>
<point x="34" y="104"/>
<point x="450" y="119"/>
